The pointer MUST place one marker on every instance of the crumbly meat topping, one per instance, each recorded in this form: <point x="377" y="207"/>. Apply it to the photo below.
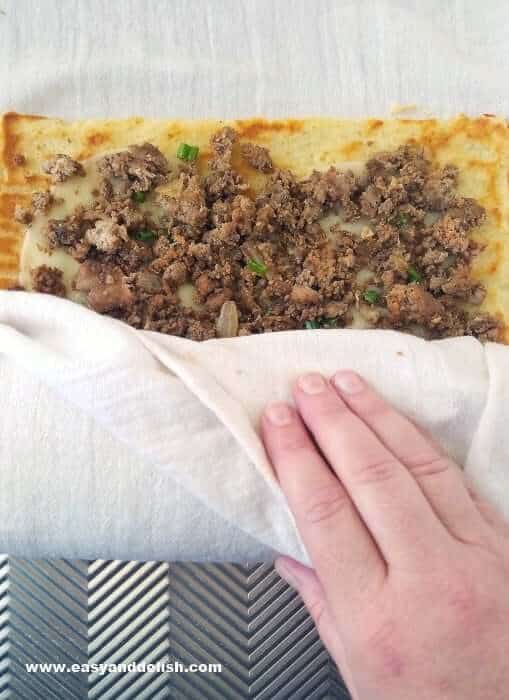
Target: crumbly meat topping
<point x="48" y="280"/>
<point x="254" y="263"/>
<point x="62" y="167"/>
<point x="106" y="235"/>
<point x="138" y="169"/>
<point x="257" y="156"/>
<point x="22" y="215"/>
<point x="41" y="201"/>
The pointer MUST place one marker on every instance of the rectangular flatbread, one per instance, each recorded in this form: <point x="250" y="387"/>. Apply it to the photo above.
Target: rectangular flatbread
<point x="211" y="228"/>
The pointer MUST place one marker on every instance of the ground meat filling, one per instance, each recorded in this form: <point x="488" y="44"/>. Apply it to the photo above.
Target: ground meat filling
<point x="48" y="280"/>
<point x="22" y="215"/>
<point x="220" y="260"/>
<point x="62" y="167"/>
<point x="41" y="201"/>
<point x="138" y="169"/>
<point x="258" y="157"/>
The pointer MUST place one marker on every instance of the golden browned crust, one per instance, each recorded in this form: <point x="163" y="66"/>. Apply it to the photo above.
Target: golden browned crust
<point x="478" y="147"/>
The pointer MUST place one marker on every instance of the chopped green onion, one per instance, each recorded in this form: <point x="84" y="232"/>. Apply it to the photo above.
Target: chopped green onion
<point x="310" y="325"/>
<point x="183" y="151"/>
<point x="371" y="296"/>
<point x="414" y="275"/>
<point x="258" y="267"/>
<point x="139" y="197"/>
<point x="401" y="219"/>
<point x="187" y="152"/>
<point x="145" y="235"/>
<point x="329" y="322"/>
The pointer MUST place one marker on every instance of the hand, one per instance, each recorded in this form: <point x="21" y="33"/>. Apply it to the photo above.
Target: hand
<point x="410" y="581"/>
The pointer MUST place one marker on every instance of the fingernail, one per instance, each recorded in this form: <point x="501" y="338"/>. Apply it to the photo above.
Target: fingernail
<point x="312" y="383"/>
<point x="348" y="382"/>
<point x="279" y="414"/>
<point x="286" y="574"/>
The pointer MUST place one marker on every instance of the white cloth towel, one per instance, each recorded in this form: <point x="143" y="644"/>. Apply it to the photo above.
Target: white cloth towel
<point x="68" y="486"/>
<point x="190" y="410"/>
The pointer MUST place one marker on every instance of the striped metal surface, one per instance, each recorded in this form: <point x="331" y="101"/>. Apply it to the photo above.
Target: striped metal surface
<point x="4" y="628"/>
<point x="109" y="612"/>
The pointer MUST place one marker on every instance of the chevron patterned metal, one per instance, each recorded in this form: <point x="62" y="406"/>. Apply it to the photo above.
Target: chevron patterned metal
<point x="109" y="612"/>
<point x="248" y="620"/>
<point x="128" y="621"/>
<point x="47" y="608"/>
<point x="4" y="627"/>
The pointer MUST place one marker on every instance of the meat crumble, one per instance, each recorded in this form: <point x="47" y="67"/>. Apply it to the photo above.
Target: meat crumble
<point x="48" y="280"/>
<point x="41" y="201"/>
<point x="62" y="167"/>
<point x="219" y="260"/>
<point x="257" y="156"/>
<point x="22" y="215"/>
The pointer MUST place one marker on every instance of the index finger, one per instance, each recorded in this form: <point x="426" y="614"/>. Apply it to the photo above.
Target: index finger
<point x="343" y="553"/>
<point x="388" y="499"/>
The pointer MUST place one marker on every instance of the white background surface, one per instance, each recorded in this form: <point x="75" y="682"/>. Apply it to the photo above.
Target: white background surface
<point x="193" y="58"/>
<point x="205" y="58"/>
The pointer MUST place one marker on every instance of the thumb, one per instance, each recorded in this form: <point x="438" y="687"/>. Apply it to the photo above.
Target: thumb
<point x="305" y="581"/>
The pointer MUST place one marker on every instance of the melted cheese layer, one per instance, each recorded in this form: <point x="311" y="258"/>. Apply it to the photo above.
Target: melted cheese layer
<point x="479" y="147"/>
<point x="81" y="191"/>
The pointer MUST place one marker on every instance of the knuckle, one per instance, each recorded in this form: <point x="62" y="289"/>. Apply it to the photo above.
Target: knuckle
<point x="375" y="471"/>
<point x="381" y="645"/>
<point x="467" y="609"/>
<point x="428" y="465"/>
<point x="292" y="440"/>
<point x="329" y="408"/>
<point x="380" y="635"/>
<point x="372" y="406"/>
<point x="324" y="505"/>
<point x="464" y="605"/>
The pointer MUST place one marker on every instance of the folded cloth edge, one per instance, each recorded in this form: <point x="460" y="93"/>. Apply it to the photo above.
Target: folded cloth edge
<point x="456" y="384"/>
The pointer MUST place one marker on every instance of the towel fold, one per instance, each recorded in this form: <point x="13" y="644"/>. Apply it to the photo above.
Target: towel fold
<point x="84" y="396"/>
